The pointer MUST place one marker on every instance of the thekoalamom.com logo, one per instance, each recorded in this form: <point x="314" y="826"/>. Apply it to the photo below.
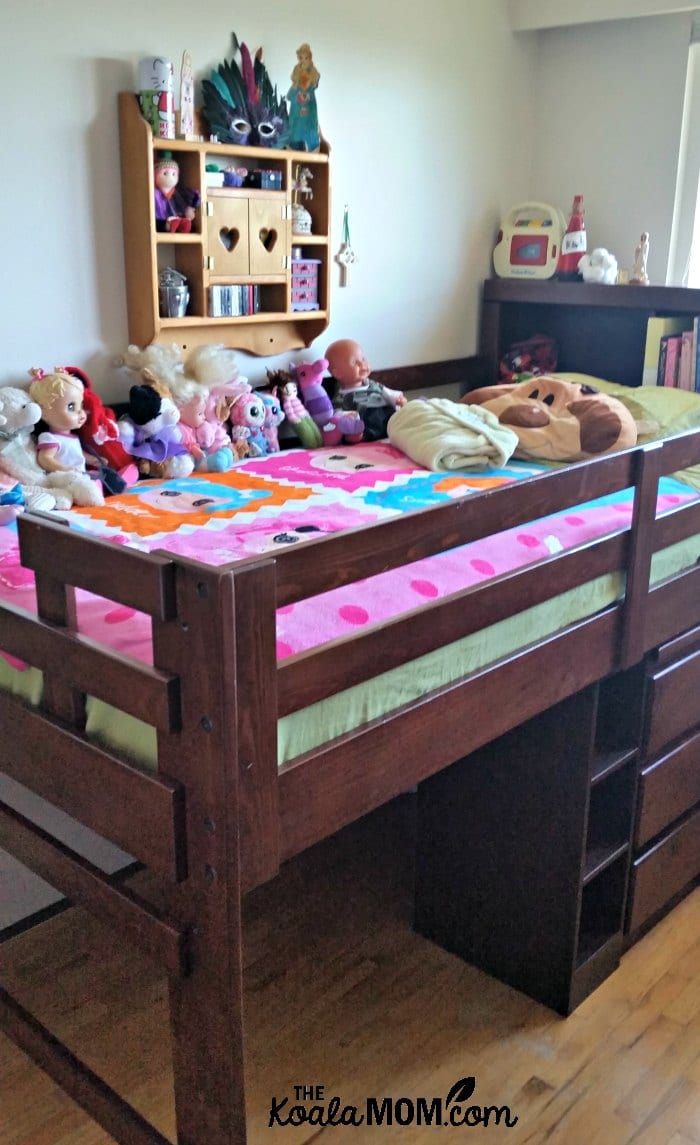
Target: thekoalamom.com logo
<point x="309" y="1106"/>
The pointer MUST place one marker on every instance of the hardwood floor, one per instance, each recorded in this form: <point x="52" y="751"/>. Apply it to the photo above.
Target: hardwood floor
<point x="341" y="993"/>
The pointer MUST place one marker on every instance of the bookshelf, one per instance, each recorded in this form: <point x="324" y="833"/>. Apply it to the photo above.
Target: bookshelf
<point x="524" y="847"/>
<point x="599" y="330"/>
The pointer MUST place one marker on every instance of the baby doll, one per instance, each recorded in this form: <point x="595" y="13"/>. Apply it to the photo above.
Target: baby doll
<point x="374" y="402"/>
<point x="175" y="205"/>
<point x="60" y="396"/>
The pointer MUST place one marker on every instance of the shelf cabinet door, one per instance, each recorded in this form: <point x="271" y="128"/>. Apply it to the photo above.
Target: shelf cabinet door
<point x="227" y="237"/>
<point x="269" y="237"/>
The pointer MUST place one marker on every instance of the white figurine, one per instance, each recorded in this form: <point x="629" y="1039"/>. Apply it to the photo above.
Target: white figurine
<point x="639" y="276"/>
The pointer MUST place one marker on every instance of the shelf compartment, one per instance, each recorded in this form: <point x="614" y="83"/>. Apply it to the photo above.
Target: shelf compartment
<point x="602" y="906"/>
<point x="610" y="815"/>
<point x="604" y="764"/>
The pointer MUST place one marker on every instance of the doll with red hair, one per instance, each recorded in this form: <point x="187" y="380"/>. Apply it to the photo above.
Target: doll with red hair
<point x="99" y="435"/>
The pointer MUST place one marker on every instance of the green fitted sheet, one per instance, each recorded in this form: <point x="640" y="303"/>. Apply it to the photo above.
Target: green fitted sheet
<point x="307" y="729"/>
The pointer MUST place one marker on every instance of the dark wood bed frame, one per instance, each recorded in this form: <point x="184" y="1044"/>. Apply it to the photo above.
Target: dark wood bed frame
<point x="218" y="817"/>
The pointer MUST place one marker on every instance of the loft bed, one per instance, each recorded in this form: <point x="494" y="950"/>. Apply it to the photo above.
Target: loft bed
<point x="215" y="813"/>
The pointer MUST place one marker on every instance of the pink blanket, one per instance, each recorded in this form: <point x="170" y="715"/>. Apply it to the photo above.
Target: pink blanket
<point x="292" y="497"/>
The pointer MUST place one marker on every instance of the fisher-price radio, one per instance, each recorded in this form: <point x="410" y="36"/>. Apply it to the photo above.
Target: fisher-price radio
<point x="529" y="242"/>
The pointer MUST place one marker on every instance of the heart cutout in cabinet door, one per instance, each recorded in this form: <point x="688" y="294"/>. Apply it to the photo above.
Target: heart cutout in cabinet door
<point x="229" y="237"/>
<point x="268" y="238"/>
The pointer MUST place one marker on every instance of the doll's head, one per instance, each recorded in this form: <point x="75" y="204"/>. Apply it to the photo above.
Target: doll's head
<point x="61" y="398"/>
<point x="192" y="407"/>
<point x="166" y="173"/>
<point x="347" y="363"/>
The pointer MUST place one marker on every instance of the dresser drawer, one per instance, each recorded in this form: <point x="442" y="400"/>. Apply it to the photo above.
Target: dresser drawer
<point x="674" y="699"/>
<point x="665" y="869"/>
<point x="668" y="788"/>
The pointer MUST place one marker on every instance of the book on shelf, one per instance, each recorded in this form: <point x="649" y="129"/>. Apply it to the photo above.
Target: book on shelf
<point x="670" y="355"/>
<point x="657" y="329"/>
<point x="687" y="357"/>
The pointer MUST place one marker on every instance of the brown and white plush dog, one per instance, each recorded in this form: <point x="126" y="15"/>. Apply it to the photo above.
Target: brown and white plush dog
<point x="559" y="420"/>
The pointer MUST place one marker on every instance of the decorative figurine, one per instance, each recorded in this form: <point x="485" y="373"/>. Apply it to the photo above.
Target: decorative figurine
<point x="156" y="98"/>
<point x="175" y="205"/>
<point x="374" y="402"/>
<point x="303" y="115"/>
<point x="346" y="255"/>
<point x="186" y="97"/>
<point x="301" y="218"/>
<point x="639" y="276"/>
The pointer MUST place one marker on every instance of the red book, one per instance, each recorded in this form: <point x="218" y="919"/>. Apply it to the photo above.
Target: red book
<point x="673" y="358"/>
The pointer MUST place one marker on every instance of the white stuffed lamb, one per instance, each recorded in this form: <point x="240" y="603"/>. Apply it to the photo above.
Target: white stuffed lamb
<point x="18" y="415"/>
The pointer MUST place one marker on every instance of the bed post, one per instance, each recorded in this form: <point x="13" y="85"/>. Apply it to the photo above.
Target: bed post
<point x="222" y="641"/>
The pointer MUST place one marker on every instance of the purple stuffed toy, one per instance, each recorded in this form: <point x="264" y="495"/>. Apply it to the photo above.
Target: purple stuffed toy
<point x="335" y="427"/>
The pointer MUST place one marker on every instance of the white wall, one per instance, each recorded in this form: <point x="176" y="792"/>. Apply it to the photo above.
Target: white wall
<point x="427" y="105"/>
<point x="530" y="14"/>
<point x="609" y="108"/>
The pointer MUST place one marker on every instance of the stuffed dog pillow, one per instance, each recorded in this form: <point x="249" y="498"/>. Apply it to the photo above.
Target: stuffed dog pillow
<point x="559" y="420"/>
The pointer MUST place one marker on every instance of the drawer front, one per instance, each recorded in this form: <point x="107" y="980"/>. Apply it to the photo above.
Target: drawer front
<point x="668" y="788"/>
<point x="674" y="695"/>
<point x="664" y="870"/>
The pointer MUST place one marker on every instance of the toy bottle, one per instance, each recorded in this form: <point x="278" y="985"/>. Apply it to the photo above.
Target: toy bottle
<point x="573" y="244"/>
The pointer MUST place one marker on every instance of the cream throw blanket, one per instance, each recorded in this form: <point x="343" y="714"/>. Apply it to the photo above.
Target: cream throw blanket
<point x="441" y="434"/>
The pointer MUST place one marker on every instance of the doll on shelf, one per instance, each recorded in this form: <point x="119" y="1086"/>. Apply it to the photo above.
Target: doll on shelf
<point x="374" y="402"/>
<point x="175" y="205"/>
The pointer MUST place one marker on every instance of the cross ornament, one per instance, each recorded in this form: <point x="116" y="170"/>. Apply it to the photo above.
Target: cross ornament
<point x="345" y="257"/>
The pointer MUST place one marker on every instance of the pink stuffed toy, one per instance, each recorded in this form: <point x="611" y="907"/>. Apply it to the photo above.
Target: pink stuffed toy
<point x="247" y="418"/>
<point x="334" y="426"/>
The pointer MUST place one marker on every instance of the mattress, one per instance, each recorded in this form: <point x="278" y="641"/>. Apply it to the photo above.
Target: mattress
<point x="290" y="498"/>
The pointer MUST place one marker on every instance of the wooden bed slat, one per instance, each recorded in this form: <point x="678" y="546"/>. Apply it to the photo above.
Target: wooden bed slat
<point x="314" y="675"/>
<point x="75" y="1078"/>
<point x="672" y="607"/>
<point x="56" y="604"/>
<point x="82" y="664"/>
<point x="640" y="552"/>
<point x="143" y="814"/>
<point x="138" y="580"/>
<point x="304" y="570"/>
<point x="324" y="790"/>
<point x="86" y="886"/>
<point x="676" y="525"/>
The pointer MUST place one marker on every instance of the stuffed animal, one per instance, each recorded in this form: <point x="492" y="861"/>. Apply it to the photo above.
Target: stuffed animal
<point x="559" y="420"/>
<point x="299" y="417"/>
<point x="14" y="498"/>
<point x="335" y="427"/>
<point x="247" y="418"/>
<point x="274" y="416"/>
<point x="149" y="432"/>
<point x="18" y="416"/>
<point x="598" y="266"/>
